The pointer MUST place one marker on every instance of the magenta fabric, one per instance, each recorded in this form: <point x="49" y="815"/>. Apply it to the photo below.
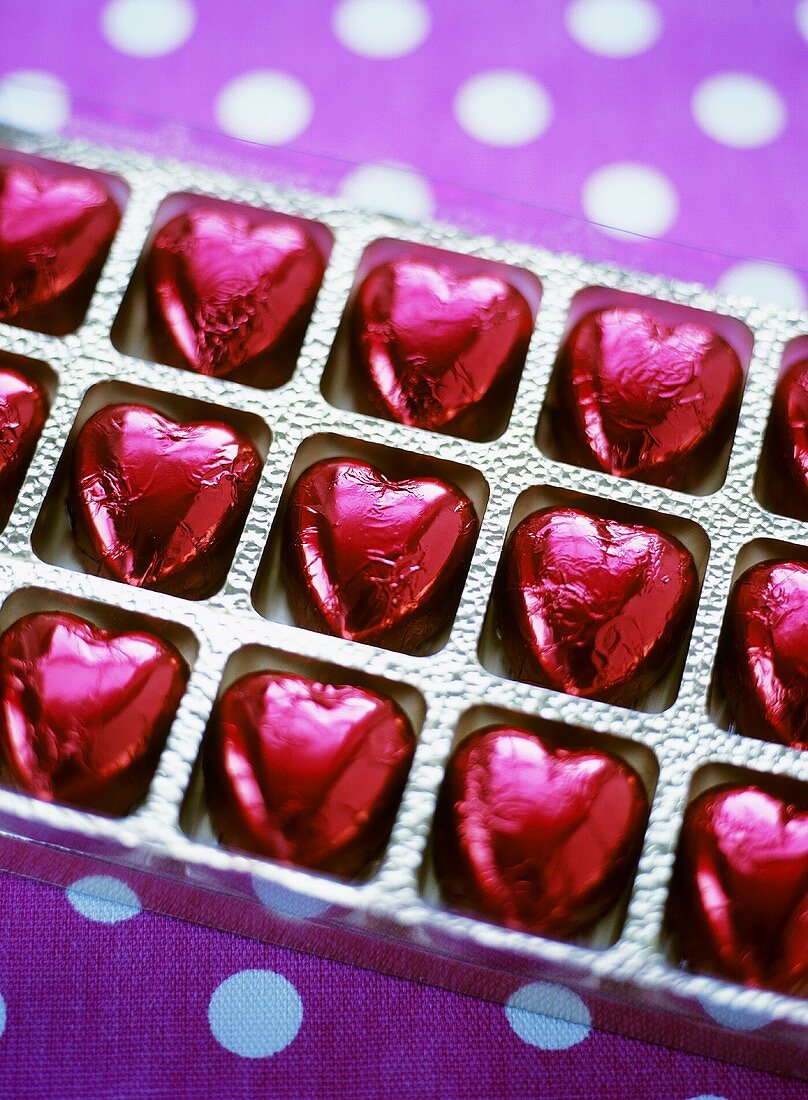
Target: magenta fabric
<point x="121" y="1009"/>
<point x="686" y="122"/>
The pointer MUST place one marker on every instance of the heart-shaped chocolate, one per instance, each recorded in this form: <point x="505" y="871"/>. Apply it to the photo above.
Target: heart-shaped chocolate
<point x="647" y="399"/>
<point x="55" y="232"/>
<point x="23" y="411"/>
<point x="534" y="835"/>
<point x="376" y="560"/>
<point x="591" y="606"/>
<point x="441" y="348"/>
<point x="84" y="712"/>
<point x="787" y="443"/>
<point x="764" y="653"/>
<point x="227" y="287"/>
<point x="740" y="891"/>
<point x="160" y="504"/>
<point x="306" y="773"/>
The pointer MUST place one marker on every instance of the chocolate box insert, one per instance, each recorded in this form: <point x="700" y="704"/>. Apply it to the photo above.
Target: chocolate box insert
<point x="781" y="482"/>
<point x="613" y="595"/>
<point x="389" y="920"/>
<point x="545" y="802"/>
<point x="433" y="339"/>
<point x="152" y="436"/>
<point x="224" y="289"/>
<point x="359" y="534"/>
<point x="737" y="899"/>
<point x="89" y="694"/>
<point x="759" y="684"/>
<point x="646" y="389"/>
<point x="57" y="225"/>
<point x="381" y="707"/>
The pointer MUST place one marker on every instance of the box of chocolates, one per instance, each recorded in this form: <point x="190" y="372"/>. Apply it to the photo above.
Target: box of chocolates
<point x="428" y="601"/>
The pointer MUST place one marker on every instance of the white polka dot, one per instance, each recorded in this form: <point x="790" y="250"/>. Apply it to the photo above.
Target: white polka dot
<point x="738" y="109"/>
<point x="34" y="100"/>
<point x="103" y="898"/>
<point x="147" y="28"/>
<point x="613" y="28"/>
<point x="255" y="1013"/>
<point x="801" y="15"/>
<point x="264" y="106"/>
<point x="503" y="107"/>
<point x="738" y="1019"/>
<point x="280" y="899"/>
<point x="381" y="28"/>
<point x="389" y="189"/>
<point x="767" y="282"/>
<point x="707" y="1096"/>
<point x="548" y="1016"/>
<point x="630" y="198"/>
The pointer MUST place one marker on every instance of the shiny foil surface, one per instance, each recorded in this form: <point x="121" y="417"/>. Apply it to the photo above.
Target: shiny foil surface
<point x="376" y="560"/>
<point x="84" y="712"/>
<point x="440" y="348"/>
<point x="741" y="900"/>
<point x="593" y="607"/>
<point x="535" y="835"/>
<point x="647" y="399"/>
<point x="227" y="287"/>
<point x="306" y="773"/>
<point x="55" y="231"/>
<point x="159" y="504"/>
<point x="787" y="445"/>
<point x="23" y="411"/>
<point x="764" y="656"/>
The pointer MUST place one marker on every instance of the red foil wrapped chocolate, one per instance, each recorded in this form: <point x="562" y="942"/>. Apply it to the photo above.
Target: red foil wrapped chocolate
<point x="740" y="898"/>
<point x="763" y="657"/>
<point x="376" y="560"/>
<point x="306" y="773"/>
<point x="55" y="232"/>
<point x="646" y="399"/>
<point x="84" y="712"/>
<point x="23" y="412"/>
<point x="534" y="835"/>
<point x="593" y="607"/>
<point x="229" y="288"/>
<point x="787" y="443"/>
<point x="159" y="504"/>
<point x="440" y="348"/>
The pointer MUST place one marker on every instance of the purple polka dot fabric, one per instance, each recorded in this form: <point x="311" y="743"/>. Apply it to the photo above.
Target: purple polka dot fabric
<point x="667" y="136"/>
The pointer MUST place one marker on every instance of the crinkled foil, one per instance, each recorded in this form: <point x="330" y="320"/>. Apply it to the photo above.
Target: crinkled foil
<point x="399" y="898"/>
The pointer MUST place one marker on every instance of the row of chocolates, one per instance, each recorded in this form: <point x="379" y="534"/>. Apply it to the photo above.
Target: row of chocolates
<point x="582" y="604"/>
<point x="531" y="832"/>
<point x="436" y="340"/>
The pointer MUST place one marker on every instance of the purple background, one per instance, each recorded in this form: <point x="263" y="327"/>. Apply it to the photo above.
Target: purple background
<point x="108" y="1001"/>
